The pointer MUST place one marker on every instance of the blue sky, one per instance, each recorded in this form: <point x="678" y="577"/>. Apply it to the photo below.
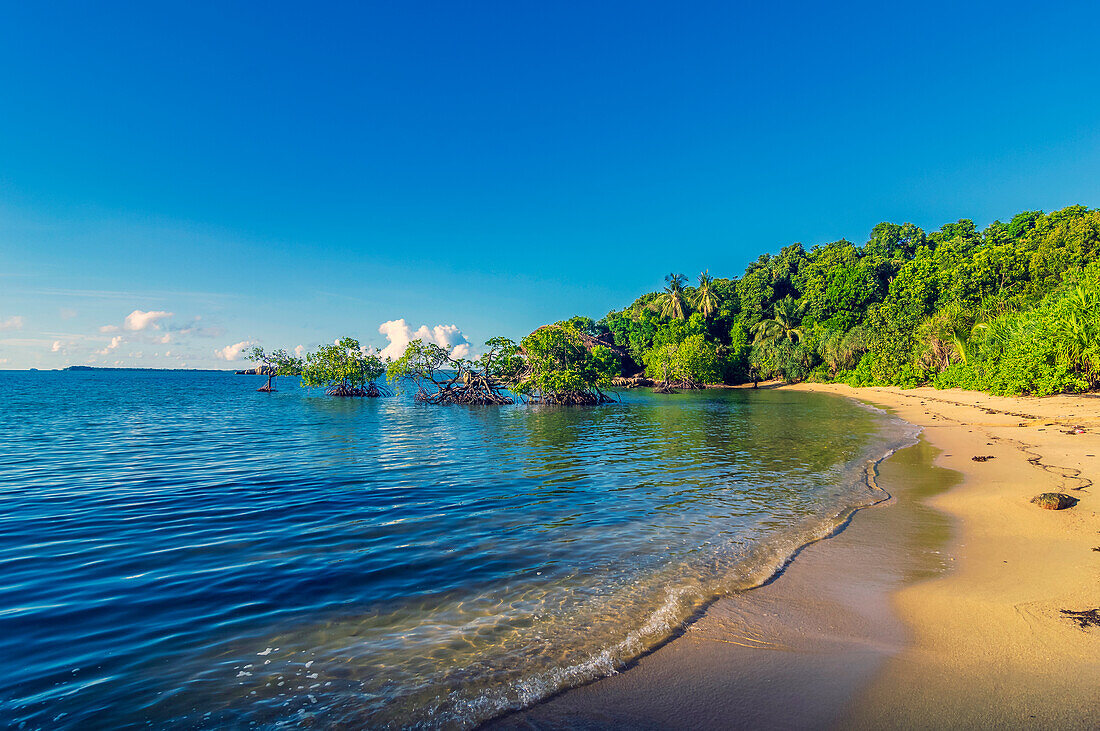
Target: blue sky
<point x="285" y="174"/>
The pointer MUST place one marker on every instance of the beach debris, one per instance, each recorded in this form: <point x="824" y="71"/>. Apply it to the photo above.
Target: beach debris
<point x="1085" y="619"/>
<point x="1054" y="501"/>
<point x="1078" y="429"/>
<point x="983" y="459"/>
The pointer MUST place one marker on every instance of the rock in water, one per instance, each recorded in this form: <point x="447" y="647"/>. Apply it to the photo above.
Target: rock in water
<point x="1054" y="500"/>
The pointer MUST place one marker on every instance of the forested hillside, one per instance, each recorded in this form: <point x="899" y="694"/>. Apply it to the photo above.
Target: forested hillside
<point x="1012" y="309"/>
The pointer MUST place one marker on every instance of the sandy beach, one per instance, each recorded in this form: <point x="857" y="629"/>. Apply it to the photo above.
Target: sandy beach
<point x="990" y="643"/>
<point x="944" y="607"/>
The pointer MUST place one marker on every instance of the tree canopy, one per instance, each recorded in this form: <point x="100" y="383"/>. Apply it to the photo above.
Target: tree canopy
<point x="343" y="369"/>
<point x="561" y="367"/>
<point x="441" y="378"/>
<point x="1010" y="309"/>
<point x="276" y="363"/>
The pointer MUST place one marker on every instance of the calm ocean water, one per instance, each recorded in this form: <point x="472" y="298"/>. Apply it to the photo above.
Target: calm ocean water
<point x="179" y="550"/>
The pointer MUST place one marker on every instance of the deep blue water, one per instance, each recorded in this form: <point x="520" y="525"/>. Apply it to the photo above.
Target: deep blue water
<point x="179" y="550"/>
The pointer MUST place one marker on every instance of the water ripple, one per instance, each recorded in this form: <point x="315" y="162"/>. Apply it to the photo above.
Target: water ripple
<point x="179" y="550"/>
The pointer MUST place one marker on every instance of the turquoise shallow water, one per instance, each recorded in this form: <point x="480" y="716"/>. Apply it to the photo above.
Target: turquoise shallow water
<point x="179" y="550"/>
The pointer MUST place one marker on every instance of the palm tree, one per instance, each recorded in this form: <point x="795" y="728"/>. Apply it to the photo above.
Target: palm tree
<point x="1079" y="334"/>
<point x="832" y="351"/>
<point x="782" y="325"/>
<point x="706" y="300"/>
<point x="671" y="302"/>
<point x="950" y="336"/>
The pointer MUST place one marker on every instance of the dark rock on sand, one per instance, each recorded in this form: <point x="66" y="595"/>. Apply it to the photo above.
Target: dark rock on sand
<point x="1085" y="619"/>
<point x="1054" y="500"/>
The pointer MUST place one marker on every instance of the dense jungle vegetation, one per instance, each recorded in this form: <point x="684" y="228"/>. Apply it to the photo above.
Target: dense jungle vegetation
<point x="1013" y="309"/>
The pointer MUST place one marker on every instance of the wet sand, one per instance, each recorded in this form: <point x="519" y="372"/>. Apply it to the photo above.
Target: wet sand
<point x="991" y="646"/>
<point x="939" y="608"/>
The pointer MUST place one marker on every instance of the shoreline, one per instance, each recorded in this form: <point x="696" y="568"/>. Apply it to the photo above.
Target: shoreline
<point x="990" y="643"/>
<point x="898" y="619"/>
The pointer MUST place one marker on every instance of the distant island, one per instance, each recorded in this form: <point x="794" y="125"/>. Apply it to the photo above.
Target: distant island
<point x="110" y="368"/>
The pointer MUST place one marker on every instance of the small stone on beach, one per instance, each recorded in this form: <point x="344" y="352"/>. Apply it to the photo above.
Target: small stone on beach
<point x="1054" y="501"/>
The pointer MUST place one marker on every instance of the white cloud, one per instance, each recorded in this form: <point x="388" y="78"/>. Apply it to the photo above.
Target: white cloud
<point x="67" y="313"/>
<point x="232" y="352"/>
<point x="56" y="347"/>
<point x="299" y="350"/>
<point x="166" y="338"/>
<point x="15" y="322"/>
<point x="448" y="336"/>
<point x="139" y="320"/>
<point x="400" y="335"/>
<point x="109" y="329"/>
<point x="115" y="342"/>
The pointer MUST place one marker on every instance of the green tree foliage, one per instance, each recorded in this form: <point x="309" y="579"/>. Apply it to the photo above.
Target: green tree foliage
<point x="273" y="364"/>
<point x="681" y="356"/>
<point x="1050" y="348"/>
<point x="441" y="378"/>
<point x="586" y="325"/>
<point x="343" y="369"/>
<point x="1010" y="309"/>
<point x="672" y="302"/>
<point x="562" y="368"/>
<point x="706" y="299"/>
<point x="690" y="363"/>
<point x="840" y="350"/>
<point x="633" y="330"/>
<point x="782" y="326"/>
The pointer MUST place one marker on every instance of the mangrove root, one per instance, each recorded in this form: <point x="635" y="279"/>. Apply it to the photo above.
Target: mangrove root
<point x="572" y="398"/>
<point x="347" y="391"/>
<point x="469" y="388"/>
